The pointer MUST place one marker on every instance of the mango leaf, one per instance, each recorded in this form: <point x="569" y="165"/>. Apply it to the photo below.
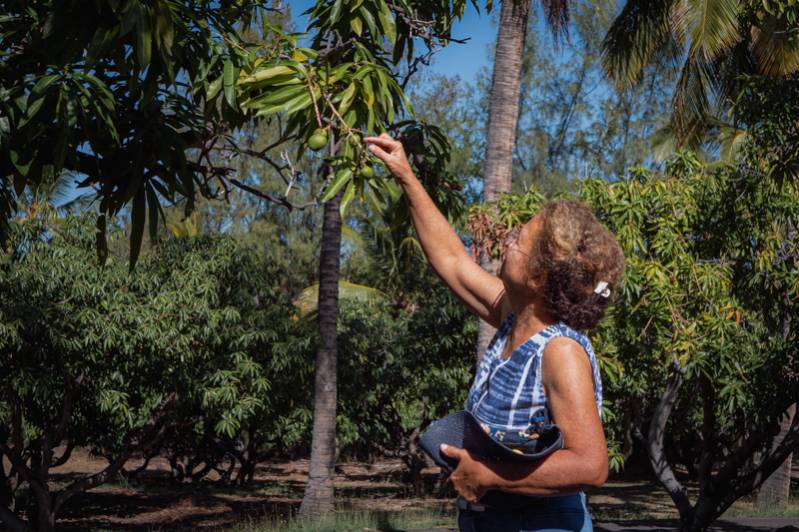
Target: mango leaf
<point x="267" y="74"/>
<point x="229" y="82"/>
<point x="346" y="198"/>
<point x="137" y="215"/>
<point x="152" y="215"/>
<point x="356" y="25"/>
<point x="214" y="88"/>
<point x="387" y="22"/>
<point x="335" y="185"/>
<point x="144" y="36"/>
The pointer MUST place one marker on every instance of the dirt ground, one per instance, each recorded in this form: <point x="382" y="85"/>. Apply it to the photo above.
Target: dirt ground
<point x="153" y="502"/>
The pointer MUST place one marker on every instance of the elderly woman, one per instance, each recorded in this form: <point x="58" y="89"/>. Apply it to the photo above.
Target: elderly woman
<point x="557" y="276"/>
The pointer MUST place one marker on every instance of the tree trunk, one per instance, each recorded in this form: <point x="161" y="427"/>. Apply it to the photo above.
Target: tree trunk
<point x="774" y="492"/>
<point x="502" y="118"/>
<point x="656" y="450"/>
<point x="318" y="498"/>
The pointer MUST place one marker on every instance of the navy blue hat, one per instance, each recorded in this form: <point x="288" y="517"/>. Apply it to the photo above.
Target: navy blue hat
<point x="462" y="429"/>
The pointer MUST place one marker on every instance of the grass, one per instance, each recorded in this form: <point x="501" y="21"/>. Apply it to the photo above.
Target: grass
<point x="364" y="521"/>
<point x="748" y="508"/>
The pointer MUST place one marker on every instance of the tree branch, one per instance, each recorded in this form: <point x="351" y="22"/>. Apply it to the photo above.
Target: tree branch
<point x="101" y="477"/>
<point x="655" y="447"/>
<point x="753" y="479"/>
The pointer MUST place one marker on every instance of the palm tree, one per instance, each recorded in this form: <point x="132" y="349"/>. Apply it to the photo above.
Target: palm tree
<point x="318" y="498"/>
<point x="504" y="108"/>
<point x="716" y="41"/>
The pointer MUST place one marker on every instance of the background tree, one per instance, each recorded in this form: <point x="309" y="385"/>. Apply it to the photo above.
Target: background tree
<point x="175" y="346"/>
<point x="503" y="111"/>
<point x="572" y="121"/>
<point x="716" y="42"/>
<point x="113" y="92"/>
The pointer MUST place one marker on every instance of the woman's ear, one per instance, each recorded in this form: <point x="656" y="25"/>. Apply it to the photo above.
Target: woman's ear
<point x="536" y="282"/>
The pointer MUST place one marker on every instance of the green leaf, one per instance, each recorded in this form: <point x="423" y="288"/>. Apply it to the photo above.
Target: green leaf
<point x="336" y="12"/>
<point x="356" y="25"/>
<point x="307" y="300"/>
<point x="277" y="96"/>
<point x="346" y="98"/>
<point x="387" y="21"/>
<point x="137" y="216"/>
<point x="22" y="167"/>
<point x="43" y="83"/>
<point x="346" y="198"/>
<point x="31" y="111"/>
<point x="144" y="37"/>
<point x="368" y="93"/>
<point x="370" y="21"/>
<point x="214" y="88"/>
<point x="229" y="82"/>
<point x="267" y="74"/>
<point x="290" y="106"/>
<point x="152" y="215"/>
<point x="340" y="179"/>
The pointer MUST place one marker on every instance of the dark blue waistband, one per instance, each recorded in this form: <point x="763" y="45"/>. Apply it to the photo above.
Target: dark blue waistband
<point x="498" y="500"/>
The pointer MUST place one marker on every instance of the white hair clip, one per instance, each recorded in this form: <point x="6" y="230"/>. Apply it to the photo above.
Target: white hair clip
<point x="602" y="289"/>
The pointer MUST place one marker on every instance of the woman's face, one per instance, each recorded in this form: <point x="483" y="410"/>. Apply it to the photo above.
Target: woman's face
<point x="518" y="247"/>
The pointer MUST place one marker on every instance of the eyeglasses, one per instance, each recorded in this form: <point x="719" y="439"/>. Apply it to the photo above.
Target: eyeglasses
<point x="512" y="238"/>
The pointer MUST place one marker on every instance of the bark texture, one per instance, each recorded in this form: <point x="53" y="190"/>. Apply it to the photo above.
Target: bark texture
<point x="318" y="499"/>
<point x="774" y="491"/>
<point x="503" y="116"/>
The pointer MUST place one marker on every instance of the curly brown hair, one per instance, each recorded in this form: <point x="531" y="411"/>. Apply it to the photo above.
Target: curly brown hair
<point x="572" y="253"/>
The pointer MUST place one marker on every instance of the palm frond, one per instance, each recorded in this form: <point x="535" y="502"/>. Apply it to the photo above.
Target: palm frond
<point x="307" y="300"/>
<point x="691" y="102"/>
<point x="642" y="27"/>
<point x="557" y="13"/>
<point x="775" y="46"/>
<point x="728" y="70"/>
<point x="730" y="141"/>
<point x="352" y="236"/>
<point x="664" y="143"/>
<point x="711" y="25"/>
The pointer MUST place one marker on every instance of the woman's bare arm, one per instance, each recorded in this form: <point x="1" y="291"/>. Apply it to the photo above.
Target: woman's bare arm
<point x="480" y="291"/>
<point x="582" y="463"/>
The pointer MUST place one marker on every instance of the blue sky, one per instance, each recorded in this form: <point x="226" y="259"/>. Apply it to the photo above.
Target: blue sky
<point x="464" y="60"/>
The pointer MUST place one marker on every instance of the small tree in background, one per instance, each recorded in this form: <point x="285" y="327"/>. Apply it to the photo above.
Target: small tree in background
<point x="94" y="357"/>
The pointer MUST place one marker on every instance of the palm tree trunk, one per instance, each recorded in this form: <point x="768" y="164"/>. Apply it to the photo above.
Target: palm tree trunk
<point x="502" y="118"/>
<point x="318" y="499"/>
<point x="775" y="490"/>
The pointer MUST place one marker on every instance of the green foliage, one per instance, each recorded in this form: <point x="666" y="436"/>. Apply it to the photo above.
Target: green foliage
<point x="708" y="299"/>
<point x="96" y="357"/>
<point x="114" y="92"/>
<point x="715" y="41"/>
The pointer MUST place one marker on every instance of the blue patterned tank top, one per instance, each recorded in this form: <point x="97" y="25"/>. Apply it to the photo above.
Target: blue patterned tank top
<point x="508" y="394"/>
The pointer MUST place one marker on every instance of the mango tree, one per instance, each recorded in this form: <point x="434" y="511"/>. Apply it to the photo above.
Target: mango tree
<point x="94" y="357"/>
<point x="329" y="95"/>
<point x="698" y="347"/>
<point x="111" y="93"/>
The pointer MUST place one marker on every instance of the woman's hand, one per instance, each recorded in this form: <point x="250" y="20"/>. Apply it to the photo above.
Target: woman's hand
<point x="471" y="479"/>
<point x="392" y="154"/>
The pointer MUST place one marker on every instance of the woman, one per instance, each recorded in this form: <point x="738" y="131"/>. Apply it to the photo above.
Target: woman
<point x="557" y="276"/>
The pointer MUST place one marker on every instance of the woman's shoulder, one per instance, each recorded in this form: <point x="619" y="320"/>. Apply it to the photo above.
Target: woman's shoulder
<point x="564" y="337"/>
<point x="561" y="330"/>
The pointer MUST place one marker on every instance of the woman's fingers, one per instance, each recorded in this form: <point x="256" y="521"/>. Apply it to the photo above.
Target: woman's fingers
<point x="378" y="152"/>
<point x="386" y="143"/>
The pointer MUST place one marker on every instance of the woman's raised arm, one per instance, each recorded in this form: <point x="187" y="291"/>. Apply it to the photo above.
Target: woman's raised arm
<point x="480" y="291"/>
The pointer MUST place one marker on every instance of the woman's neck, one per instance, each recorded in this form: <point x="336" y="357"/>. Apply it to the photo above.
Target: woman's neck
<point x="531" y="318"/>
